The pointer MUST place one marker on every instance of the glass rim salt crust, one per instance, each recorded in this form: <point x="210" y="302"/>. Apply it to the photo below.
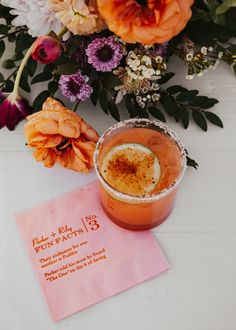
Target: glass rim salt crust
<point x="148" y="124"/>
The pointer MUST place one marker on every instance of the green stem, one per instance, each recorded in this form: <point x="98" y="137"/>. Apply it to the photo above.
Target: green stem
<point x="76" y="106"/>
<point x="9" y="77"/>
<point x="11" y="33"/>
<point x="21" y="68"/>
<point x="62" y="32"/>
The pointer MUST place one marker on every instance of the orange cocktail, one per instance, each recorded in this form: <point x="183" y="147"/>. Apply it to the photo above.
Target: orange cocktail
<point x="139" y="165"/>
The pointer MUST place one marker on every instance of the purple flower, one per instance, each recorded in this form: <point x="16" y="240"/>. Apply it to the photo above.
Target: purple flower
<point x="75" y="87"/>
<point x="13" y="109"/>
<point x="162" y="49"/>
<point x="104" y="54"/>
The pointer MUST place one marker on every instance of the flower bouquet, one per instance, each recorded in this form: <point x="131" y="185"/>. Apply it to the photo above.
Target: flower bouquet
<point x="113" y="52"/>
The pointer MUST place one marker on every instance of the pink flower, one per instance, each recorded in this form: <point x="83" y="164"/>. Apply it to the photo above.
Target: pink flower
<point x="13" y="109"/>
<point x="46" y="49"/>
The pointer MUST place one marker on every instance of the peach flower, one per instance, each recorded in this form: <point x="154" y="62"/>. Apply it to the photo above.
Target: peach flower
<point x="146" y="21"/>
<point x="59" y="135"/>
<point x="79" y="16"/>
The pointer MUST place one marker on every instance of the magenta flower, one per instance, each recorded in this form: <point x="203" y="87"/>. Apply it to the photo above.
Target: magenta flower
<point x="75" y="86"/>
<point x="46" y="49"/>
<point x="104" y="54"/>
<point x="13" y="109"/>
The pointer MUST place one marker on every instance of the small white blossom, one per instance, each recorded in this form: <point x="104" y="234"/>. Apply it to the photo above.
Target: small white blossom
<point x="204" y="50"/>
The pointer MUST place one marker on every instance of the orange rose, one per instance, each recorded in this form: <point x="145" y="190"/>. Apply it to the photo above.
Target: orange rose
<point x="61" y="136"/>
<point x="146" y="21"/>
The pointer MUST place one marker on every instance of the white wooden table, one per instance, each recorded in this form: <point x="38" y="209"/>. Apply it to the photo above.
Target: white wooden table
<point x="199" y="238"/>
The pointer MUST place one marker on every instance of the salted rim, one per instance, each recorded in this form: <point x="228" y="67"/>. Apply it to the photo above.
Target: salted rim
<point x="141" y="123"/>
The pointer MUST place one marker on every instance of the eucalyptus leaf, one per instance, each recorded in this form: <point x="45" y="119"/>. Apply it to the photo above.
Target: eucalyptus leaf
<point x="131" y="106"/>
<point x="210" y="103"/>
<point x="156" y="113"/>
<point x="198" y="101"/>
<point x="164" y="79"/>
<point x="2" y="48"/>
<point x="24" y="84"/>
<point x="96" y="89"/>
<point x="199" y="119"/>
<point x="4" y="29"/>
<point x="39" y="100"/>
<point x="176" y="89"/>
<point x="31" y="66"/>
<point x="52" y="87"/>
<point x="187" y="95"/>
<point x="67" y="68"/>
<point x="104" y="101"/>
<point x="184" y="116"/>
<point x="214" y="119"/>
<point x="8" y="64"/>
<point x="8" y="86"/>
<point x="113" y="110"/>
<point x="43" y="76"/>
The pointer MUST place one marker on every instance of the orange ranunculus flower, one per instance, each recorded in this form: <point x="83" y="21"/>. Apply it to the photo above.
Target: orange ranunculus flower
<point x="59" y="135"/>
<point x="146" y="21"/>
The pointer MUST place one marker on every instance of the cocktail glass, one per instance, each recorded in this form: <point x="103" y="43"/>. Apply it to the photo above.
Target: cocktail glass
<point x="142" y="212"/>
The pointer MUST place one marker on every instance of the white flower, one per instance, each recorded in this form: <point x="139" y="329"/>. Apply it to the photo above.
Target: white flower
<point x="189" y="57"/>
<point x="204" y="50"/>
<point x="35" y="14"/>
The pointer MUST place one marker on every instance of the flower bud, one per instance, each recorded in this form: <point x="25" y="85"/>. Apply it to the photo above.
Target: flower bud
<point x="46" y="49"/>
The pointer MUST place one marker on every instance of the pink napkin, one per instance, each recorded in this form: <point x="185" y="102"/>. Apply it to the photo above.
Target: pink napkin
<point x="80" y="256"/>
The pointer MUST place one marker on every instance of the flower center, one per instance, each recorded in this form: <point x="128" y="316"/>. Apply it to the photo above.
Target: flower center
<point x="64" y="144"/>
<point x="105" y="53"/>
<point x="73" y="87"/>
<point x="42" y="52"/>
<point x="142" y="2"/>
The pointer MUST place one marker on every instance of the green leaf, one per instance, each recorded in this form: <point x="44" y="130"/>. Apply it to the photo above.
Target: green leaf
<point x="230" y="19"/>
<point x="1" y="77"/>
<point x="199" y="119"/>
<point x="113" y="110"/>
<point x="43" y="76"/>
<point x="198" y="101"/>
<point x="213" y="118"/>
<point x="210" y="103"/>
<point x="24" y="84"/>
<point x="186" y="96"/>
<point x="143" y="113"/>
<point x="175" y="89"/>
<point x="67" y="68"/>
<point x="96" y="89"/>
<point x="4" y="29"/>
<point x="11" y="38"/>
<point x="104" y="101"/>
<point x="165" y="78"/>
<point x="39" y="100"/>
<point x="184" y="116"/>
<point x="8" y="64"/>
<point x="52" y="87"/>
<point x="191" y="162"/>
<point x="49" y="67"/>
<point x="31" y="66"/>
<point x="17" y="56"/>
<point x="8" y="87"/>
<point x="131" y="106"/>
<point x="2" y="48"/>
<point x="225" y="6"/>
<point x="109" y="81"/>
<point x="23" y="42"/>
<point x="156" y="113"/>
<point x="168" y="103"/>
